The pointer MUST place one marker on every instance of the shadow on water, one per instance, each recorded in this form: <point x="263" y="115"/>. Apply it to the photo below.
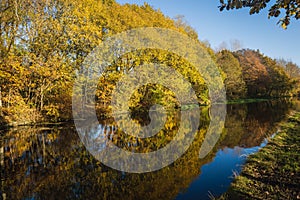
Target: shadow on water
<point x="52" y="163"/>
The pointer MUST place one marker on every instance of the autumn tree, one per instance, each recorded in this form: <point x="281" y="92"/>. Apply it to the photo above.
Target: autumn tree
<point x="263" y="77"/>
<point x="293" y="72"/>
<point x="279" y="82"/>
<point x="254" y="73"/>
<point x="234" y="83"/>
<point x="12" y="20"/>
<point x="44" y="42"/>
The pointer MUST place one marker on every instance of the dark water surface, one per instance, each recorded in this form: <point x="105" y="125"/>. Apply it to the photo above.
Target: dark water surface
<point x="52" y="163"/>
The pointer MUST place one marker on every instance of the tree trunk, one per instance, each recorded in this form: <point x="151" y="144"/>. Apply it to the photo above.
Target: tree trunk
<point x="44" y="150"/>
<point x="0" y="102"/>
<point x="42" y="98"/>
<point x="0" y="98"/>
<point x="42" y="95"/>
<point x="8" y="101"/>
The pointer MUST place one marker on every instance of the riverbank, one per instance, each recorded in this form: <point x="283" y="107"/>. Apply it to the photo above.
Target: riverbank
<point x="273" y="172"/>
<point x="242" y="101"/>
<point x="256" y="100"/>
<point x="8" y="121"/>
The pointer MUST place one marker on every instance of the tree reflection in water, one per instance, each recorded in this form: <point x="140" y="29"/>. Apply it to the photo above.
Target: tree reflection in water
<point x="52" y="163"/>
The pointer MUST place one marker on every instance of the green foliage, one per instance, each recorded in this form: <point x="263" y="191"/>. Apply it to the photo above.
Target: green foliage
<point x="234" y="83"/>
<point x="147" y="96"/>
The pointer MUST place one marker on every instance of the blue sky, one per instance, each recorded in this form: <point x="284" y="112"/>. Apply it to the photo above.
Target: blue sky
<point x="254" y="32"/>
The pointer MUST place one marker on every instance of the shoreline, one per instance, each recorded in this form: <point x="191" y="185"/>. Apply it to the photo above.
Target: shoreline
<point x="274" y="171"/>
<point x="6" y="125"/>
<point x="45" y="123"/>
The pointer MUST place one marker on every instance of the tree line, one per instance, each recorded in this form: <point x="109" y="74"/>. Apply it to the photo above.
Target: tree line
<point x="43" y="43"/>
<point x="250" y="74"/>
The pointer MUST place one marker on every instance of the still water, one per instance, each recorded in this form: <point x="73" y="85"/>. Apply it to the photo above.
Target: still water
<point x="51" y="162"/>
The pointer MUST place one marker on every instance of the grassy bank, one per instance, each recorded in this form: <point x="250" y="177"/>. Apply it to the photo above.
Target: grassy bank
<point x="241" y="101"/>
<point x="273" y="172"/>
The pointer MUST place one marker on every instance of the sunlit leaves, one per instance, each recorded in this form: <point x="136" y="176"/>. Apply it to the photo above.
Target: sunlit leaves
<point x="263" y="77"/>
<point x="234" y="83"/>
<point x="289" y="9"/>
<point x="43" y="43"/>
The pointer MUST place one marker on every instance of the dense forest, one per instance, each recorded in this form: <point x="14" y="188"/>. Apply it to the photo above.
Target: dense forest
<point x="44" y="42"/>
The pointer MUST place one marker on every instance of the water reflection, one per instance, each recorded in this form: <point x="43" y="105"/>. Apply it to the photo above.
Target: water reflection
<point x="52" y="163"/>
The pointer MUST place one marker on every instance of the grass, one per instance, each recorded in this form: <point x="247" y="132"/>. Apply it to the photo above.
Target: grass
<point x="241" y="101"/>
<point x="273" y="172"/>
